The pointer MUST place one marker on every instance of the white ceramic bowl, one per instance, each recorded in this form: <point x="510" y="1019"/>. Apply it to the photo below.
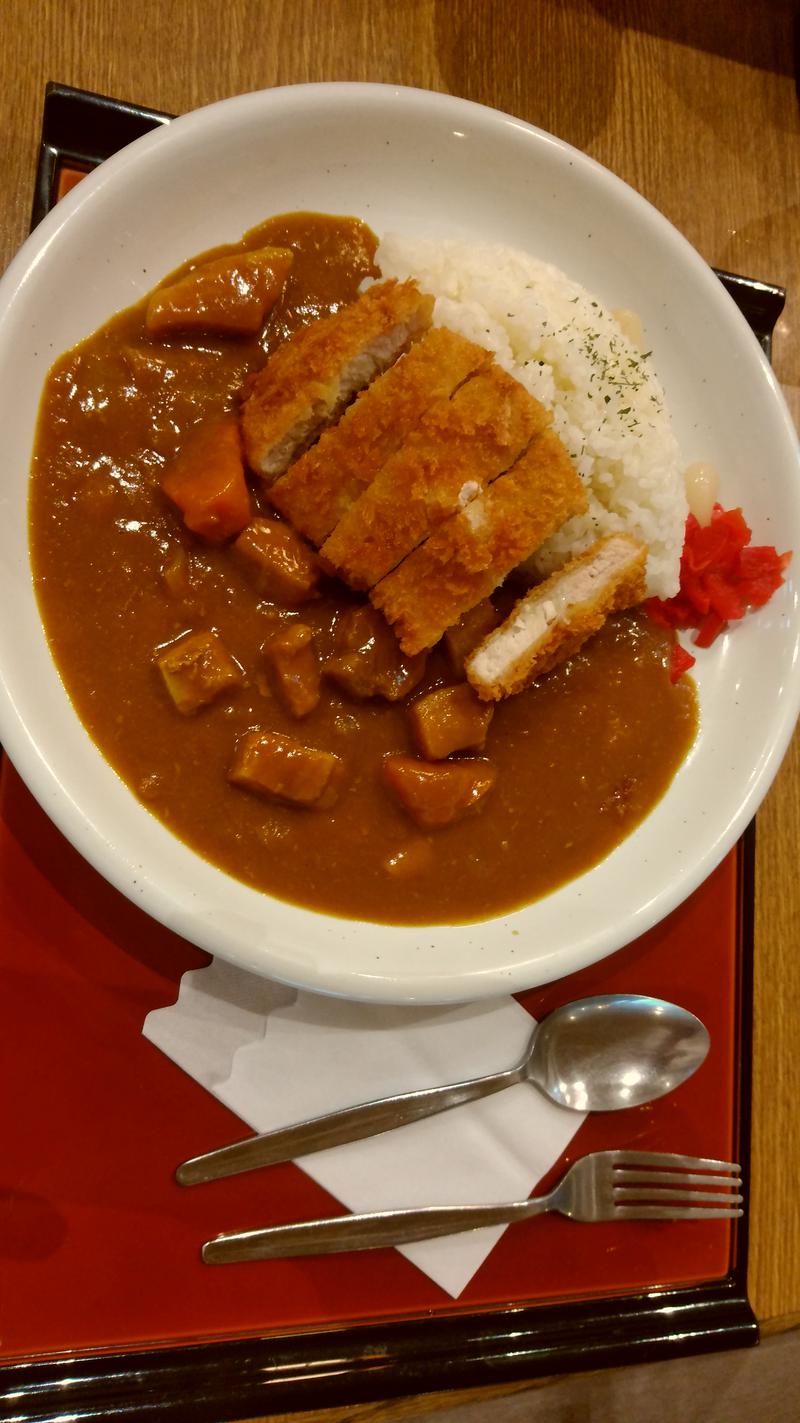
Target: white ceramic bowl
<point x="436" y="166"/>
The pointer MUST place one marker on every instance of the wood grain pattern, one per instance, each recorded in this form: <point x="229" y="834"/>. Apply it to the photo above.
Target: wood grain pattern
<point x="695" y="106"/>
<point x="411" y="1410"/>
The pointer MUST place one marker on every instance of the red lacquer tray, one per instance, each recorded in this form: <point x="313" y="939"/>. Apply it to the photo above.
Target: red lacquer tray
<point x="105" y="1305"/>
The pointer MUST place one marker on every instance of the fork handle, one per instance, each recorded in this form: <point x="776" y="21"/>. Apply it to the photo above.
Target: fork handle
<point x="335" y="1128"/>
<point x="363" y="1232"/>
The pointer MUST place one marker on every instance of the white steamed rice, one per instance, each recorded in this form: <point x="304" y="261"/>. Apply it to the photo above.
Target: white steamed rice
<point x="571" y="354"/>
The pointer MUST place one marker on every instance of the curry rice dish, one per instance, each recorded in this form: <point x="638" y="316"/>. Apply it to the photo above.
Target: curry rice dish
<point x="276" y="529"/>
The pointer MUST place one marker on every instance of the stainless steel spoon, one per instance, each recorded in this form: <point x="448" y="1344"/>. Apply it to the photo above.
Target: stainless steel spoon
<point x="595" y="1055"/>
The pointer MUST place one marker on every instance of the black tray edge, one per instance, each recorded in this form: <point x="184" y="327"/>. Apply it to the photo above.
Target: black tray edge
<point x="86" y="128"/>
<point x="241" y="1378"/>
<point x="366" y="1363"/>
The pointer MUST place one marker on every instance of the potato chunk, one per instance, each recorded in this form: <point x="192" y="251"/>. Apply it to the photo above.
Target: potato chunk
<point x="411" y="860"/>
<point x="368" y="661"/>
<point x="282" y="566"/>
<point x="463" y="637"/>
<point x="449" y="719"/>
<point x="293" y="661"/>
<point x="280" y="768"/>
<point x="196" y="670"/>
<point x="176" y="574"/>
<point x="231" y="295"/>
<point x="437" y="795"/>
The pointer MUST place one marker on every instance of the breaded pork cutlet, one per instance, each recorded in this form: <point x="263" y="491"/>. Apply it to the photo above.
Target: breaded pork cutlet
<point x="470" y="554"/>
<point x="557" y="617"/>
<point x="319" y="488"/>
<point x="307" y="381"/>
<point x="460" y="445"/>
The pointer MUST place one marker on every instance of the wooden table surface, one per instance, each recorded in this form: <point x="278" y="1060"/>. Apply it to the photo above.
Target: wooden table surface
<point x="694" y="104"/>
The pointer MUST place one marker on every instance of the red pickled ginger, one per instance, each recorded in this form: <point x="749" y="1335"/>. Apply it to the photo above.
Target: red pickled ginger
<point x="722" y="577"/>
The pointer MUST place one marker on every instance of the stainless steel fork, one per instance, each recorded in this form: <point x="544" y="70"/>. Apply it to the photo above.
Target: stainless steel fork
<point x="607" y="1185"/>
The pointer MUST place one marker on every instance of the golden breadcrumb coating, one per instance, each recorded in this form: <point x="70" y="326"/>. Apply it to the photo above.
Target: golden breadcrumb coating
<point x="309" y="379"/>
<point x="554" y="619"/>
<point x="319" y="488"/>
<point x="460" y="445"/>
<point x="470" y="554"/>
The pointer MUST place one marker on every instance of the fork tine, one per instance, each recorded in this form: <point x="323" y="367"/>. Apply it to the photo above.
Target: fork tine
<point x="670" y="1162"/>
<point x="719" y="1198"/>
<point x="674" y="1213"/>
<point x="624" y="1177"/>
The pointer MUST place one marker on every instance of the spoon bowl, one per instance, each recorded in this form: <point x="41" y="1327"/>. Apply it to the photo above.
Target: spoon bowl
<point x="614" y="1051"/>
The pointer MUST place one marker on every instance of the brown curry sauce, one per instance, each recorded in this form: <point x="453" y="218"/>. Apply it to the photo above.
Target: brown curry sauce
<point x="581" y="757"/>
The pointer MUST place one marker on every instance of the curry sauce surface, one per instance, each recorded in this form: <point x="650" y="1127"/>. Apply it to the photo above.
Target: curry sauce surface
<point x="581" y="757"/>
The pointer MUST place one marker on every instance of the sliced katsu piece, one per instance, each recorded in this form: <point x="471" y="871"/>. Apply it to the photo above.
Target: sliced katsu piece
<point x="470" y="554"/>
<point x="309" y="379"/>
<point x="460" y="445"/>
<point x="319" y="488"/>
<point x="556" y="618"/>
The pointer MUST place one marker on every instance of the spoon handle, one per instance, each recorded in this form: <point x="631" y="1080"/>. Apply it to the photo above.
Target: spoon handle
<point x="350" y="1124"/>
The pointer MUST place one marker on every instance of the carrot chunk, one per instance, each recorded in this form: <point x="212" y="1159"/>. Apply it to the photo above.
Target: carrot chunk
<point x="449" y="719"/>
<point x="231" y="295"/>
<point x="196" y="670"/>
<point x="437" y="795"/>
<point x="280" y="768"/>
<point x="207" y="482"/>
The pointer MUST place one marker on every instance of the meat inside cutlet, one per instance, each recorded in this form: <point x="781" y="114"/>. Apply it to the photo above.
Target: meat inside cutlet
<point x="309" y="379"/>
<point x="460" y="445"/>
<point x="470" y="554"/>
<point x="319" y="488"/>
<point x="554" y="619"/>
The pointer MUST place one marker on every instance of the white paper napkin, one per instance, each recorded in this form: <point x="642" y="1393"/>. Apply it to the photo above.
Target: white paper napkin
<point x="275" y="1056"/>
